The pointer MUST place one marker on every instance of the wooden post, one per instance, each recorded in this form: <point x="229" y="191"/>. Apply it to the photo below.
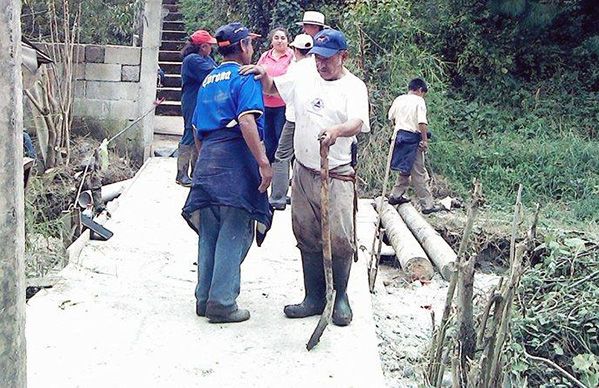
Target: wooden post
<point x="435" y="247"/>
<point x="410" y="254"/>
<point x="13" y="371"/>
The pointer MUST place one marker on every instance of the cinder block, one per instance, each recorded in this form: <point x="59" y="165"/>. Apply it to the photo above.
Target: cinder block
<point x="130" y="73"/>
<point x="94" y="54"/>
<point x="112" y="90"/>
<point x="122" y="55"/>
<point x="102" y="72"/>
<point x="120" y="110"/>
<point x="79" y="89"/>
<point x="79" y="71"/>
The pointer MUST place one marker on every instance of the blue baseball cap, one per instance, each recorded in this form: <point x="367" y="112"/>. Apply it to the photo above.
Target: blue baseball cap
<point x="329" y="42"/>
<point x="232" y="33"/>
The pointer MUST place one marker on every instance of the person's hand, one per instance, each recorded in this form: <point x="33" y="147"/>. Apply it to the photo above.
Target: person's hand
<point x="266" y="174"/>
<point x="328" y="137"/>
<point x="257" y="70"/>
<point x="423" y="145"/>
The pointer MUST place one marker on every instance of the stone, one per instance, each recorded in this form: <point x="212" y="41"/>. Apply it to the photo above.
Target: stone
<point x="112" y="90"/>
<point x="94" y="54"/>
<point x="122" y="55"/>
<point x="130" y="73"/>
<point x="102" y="72"/>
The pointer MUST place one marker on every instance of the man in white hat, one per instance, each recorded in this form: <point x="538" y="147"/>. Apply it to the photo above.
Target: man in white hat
<point x="312" y="23"/>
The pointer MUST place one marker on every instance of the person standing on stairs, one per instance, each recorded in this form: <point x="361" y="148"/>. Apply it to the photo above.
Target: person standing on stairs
<point x="197" y="64"/>
<point x="276" y="62"/>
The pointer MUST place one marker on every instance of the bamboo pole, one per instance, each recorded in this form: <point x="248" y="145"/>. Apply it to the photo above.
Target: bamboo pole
<point x="437" y="249"/>
<point x="411" y="256"/>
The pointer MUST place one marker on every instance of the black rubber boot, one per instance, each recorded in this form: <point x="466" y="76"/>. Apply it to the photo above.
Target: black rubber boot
<point x="183" y="159"/>
<point x="314" y="286"/>
<point x="342" y="314"/>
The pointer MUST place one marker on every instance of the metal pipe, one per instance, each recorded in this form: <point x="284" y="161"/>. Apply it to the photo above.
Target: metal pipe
<point x="109" y="192"/>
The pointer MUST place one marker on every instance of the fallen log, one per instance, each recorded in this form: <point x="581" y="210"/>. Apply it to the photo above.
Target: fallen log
<point x="434" y="245"/>
<point x="410" y="254"/>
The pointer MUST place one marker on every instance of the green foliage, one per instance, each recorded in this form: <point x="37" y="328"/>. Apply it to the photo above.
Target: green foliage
<point x="101" y="22"/>
<point x="558" y="312"/>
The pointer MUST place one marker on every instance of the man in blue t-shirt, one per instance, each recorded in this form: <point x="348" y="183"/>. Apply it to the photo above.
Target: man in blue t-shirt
<point x="197" y="64"/>
<point x="231" y="177"/>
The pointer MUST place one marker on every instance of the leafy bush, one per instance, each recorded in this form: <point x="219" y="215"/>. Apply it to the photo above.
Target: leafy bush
<point x="101" y="22"/>
<point x="558" y="313"/>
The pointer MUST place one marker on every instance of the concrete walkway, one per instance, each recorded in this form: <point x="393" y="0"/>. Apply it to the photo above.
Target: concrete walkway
<point x="123" y="314"/>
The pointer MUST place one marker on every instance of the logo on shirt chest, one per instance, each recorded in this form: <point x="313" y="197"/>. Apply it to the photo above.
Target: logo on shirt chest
<point x="317" y="104"/>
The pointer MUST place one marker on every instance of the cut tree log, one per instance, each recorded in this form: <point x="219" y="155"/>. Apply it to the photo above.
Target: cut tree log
<point x="411" y="256"/>
<point x="434" y="245"/>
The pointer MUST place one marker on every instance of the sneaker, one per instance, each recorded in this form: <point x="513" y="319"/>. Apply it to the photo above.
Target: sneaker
<point x="433" y="209"/>
<point x="185" y="181"/>
<point x="398" y="200"/>
<point x="238" y="315"/>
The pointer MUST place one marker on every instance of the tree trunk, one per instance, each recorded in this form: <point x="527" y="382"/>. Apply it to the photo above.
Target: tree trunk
<point x="435" y="247"/>
<point x="410" y="254"/>
<point x="12" y="240"/>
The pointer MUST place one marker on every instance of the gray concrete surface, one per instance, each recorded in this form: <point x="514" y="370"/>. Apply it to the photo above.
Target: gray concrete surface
<point x="168" y="125"/>
<point x="123" y="313"/>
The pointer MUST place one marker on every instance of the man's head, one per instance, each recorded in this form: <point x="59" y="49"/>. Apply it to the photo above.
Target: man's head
<point x="330" y="51"/>
<point x="302" y="44"/>
<point x="312" y="23"/>
<point x="235" y="43"/>
<point x="417" y="86"/>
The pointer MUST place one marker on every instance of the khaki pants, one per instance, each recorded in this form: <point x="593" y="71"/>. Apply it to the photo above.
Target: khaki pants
<point x="305" y="212"/>
<point x="419" y="179"/>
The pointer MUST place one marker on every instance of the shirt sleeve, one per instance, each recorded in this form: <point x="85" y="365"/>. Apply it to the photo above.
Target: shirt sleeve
<point x="391" y="114"/>
<point x="250" y="97"/>
<point x="357" y="105"/>
<point x="286" y="85"/>
<point x="421" y="112"/>
<point x="199" y="68"/>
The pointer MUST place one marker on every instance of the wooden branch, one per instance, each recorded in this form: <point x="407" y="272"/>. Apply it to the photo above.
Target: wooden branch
<point x="557" y="368"/>
<point x="439" y="341"/>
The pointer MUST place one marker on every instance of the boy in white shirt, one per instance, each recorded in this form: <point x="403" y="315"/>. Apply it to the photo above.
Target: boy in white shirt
<point x="408" y="112"/>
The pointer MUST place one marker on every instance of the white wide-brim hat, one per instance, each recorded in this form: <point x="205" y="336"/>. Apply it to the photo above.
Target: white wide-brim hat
<point x="312" y="17"/>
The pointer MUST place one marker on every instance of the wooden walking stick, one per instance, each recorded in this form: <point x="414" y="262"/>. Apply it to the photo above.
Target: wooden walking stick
<point x="375" y="258"/>
<point x="327" y="254"/>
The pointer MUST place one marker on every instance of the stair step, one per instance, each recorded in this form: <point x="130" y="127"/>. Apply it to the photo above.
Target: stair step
<point x="172" y="81"/>
<point x="172" y="45"/>
<point x="171" y="7"/>
<point x="173" y="16"/>
<point x="170" y="2"/>
<point x="169" y="108"/>
<point x="169" y="56"/>
<point x="174" y="26"/>
<point x="170" y="67"/>
<point x="169" y="94"/>
<point x="174" y="35"/>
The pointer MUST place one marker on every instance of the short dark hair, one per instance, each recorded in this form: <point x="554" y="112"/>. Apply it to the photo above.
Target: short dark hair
<point x="234" y="48"/>
<point x="416" y="84"/>
<point x="304" y="52"/>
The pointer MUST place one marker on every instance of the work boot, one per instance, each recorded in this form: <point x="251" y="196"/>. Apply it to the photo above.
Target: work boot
<point x="342" y="314"/>
<point x="314" y="286"/>
<point x="238" y="315"/>
<point x="183" y="165"/>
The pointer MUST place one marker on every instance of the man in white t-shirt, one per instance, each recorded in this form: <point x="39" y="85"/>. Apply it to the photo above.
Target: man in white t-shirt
<point x="331" y="105"/>
<point x="408" y="112"/>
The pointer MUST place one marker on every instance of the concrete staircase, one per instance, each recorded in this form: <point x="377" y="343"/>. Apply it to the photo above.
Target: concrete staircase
<point x="169" y="59"/>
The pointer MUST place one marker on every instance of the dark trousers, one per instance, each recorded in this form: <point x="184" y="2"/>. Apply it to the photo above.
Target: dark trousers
<point x="274" y="119"/>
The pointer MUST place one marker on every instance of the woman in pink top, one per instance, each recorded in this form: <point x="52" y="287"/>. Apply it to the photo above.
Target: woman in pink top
<point x="275" y="61"/>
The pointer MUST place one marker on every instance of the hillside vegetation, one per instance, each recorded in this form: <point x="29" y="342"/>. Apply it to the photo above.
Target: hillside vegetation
<point x="513" y="86"/>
